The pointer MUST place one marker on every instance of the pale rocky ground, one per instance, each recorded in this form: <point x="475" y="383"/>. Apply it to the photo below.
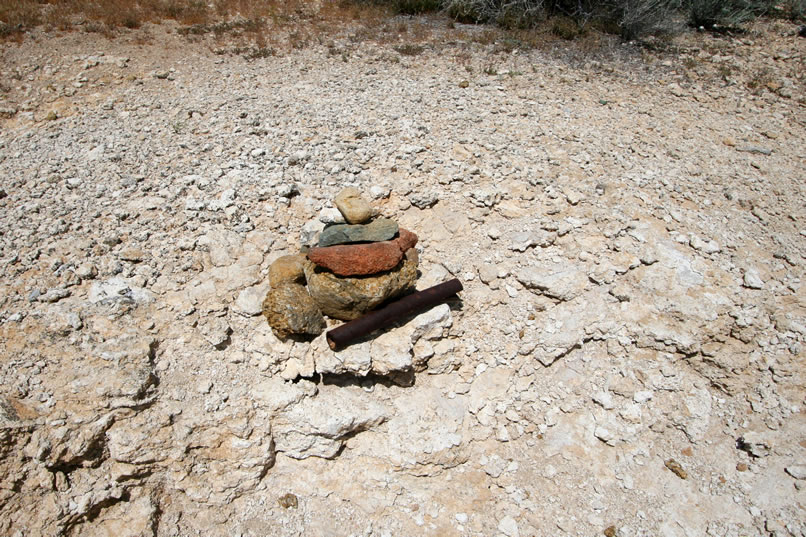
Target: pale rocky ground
<point x="630" y="230"/>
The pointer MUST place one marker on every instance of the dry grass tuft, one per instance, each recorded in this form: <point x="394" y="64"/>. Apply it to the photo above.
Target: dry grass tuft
<point x="302" y="20"/>
<point x="409" y="49"/>
<point x="16" y="16"/>
<point x="261" y="28"/>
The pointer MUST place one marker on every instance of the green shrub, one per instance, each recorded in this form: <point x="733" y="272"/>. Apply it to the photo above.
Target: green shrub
<point x="466" y="12"/>
<point x="570" y="18"/>
<point x="795" y="9"/>
<point x="416" y="7"/>
<point x="633" y="18"/>
<point x="727" y="13"/>
<point x="506" y="13"/>
<point x="565" y="28"/>
<point x="637" y="18"/>
<point x="520" y="14"/>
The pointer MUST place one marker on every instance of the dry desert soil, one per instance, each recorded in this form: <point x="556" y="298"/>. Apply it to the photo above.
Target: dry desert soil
<point x="626" y="359"/>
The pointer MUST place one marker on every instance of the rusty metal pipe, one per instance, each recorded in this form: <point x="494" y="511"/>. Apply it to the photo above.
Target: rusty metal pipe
<point x="416" y="302"/>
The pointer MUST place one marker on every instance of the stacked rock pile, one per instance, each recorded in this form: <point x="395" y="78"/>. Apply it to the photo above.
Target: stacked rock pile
<point x="356" y="267"/>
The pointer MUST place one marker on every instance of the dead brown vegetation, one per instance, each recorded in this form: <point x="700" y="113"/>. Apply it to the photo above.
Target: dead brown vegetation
<point x="219" y="17"/>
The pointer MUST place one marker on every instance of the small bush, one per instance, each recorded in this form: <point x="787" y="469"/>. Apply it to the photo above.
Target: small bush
<point x="570" y="18"/>
<point x="409" y="50"/>
<point x="507" y="13"/>
<point x="726" y="13"/>
<point x="795" y="9"/>
<point x="637" y="18"/>
<point x="465" y="12"/>
<point x="759" y="79"/>
<point x="508" y="43"/>
<point x="520" y="14"/>
<point x="417" y="7"/>
<point x="565" y="28"/>
<point x="18" y="16"/>
<point x="404" y="7"/>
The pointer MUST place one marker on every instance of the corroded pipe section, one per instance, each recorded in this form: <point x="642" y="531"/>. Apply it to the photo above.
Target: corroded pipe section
<point x="416" y="302"/>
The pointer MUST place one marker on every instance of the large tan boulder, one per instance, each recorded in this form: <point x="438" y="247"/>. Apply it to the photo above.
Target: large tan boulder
<point x="348" y="298"/>
<point x="290" y="310"/>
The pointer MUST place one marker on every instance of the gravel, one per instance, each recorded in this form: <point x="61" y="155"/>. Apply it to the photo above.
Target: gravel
<point x="639" y="296"/>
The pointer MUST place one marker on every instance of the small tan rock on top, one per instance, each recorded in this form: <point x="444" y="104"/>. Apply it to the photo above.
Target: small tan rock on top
<point x="354" y="208"/>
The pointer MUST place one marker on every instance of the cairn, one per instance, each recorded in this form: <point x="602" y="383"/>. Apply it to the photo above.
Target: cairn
<point x="355" y="267"/>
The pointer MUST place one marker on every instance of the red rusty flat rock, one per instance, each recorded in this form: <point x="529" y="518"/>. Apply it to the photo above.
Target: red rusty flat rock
<point x="363" y="259"/>
<point x="405" y="239"/>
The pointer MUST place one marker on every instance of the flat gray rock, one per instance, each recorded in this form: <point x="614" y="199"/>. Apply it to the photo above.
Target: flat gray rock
<point x="380" y="229"/>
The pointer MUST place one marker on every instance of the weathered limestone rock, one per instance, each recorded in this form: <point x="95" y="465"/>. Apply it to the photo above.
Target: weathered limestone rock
<point x="331" y="215"/>
<point x="223" y="246"/>
<point x="287" y="269"/>
<point x="752" y="280"/>
<point x="397" y="351"/>
<point x="235" y="447"/>
<point x="391" y="352"/>
<point x="124" y="373"/>
<point x="133" y="518"/>
<point x="567" y="326"/>
<point x="319" y="426"/>
<point x="356" y="210"/>
<point x="277" y="395"/>
<point x="250" y="300"/>
<point x="309" y="234"/>
<point x="798" y="471"/>
<point x="291" y="310"/>
<point x="134" y="255"/>
<point x="380" y="229"/>
<point x="428" y="449"/>
<point x="363" y="259"/>
<point x="119" y="290"/>
<point x="430" y="324"/>
<point x="354" y="359"/>
<point x="216" y="331"/>
<point x="755" y="443"/>
<point x="560" y="284"/>
<point x="349" y="298"/>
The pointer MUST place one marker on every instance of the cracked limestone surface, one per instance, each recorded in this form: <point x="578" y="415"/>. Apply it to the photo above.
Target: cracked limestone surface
<point x="633" y="276"/>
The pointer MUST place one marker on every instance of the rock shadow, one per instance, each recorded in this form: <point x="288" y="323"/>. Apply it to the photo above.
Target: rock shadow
<point x="404" y="379"/>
